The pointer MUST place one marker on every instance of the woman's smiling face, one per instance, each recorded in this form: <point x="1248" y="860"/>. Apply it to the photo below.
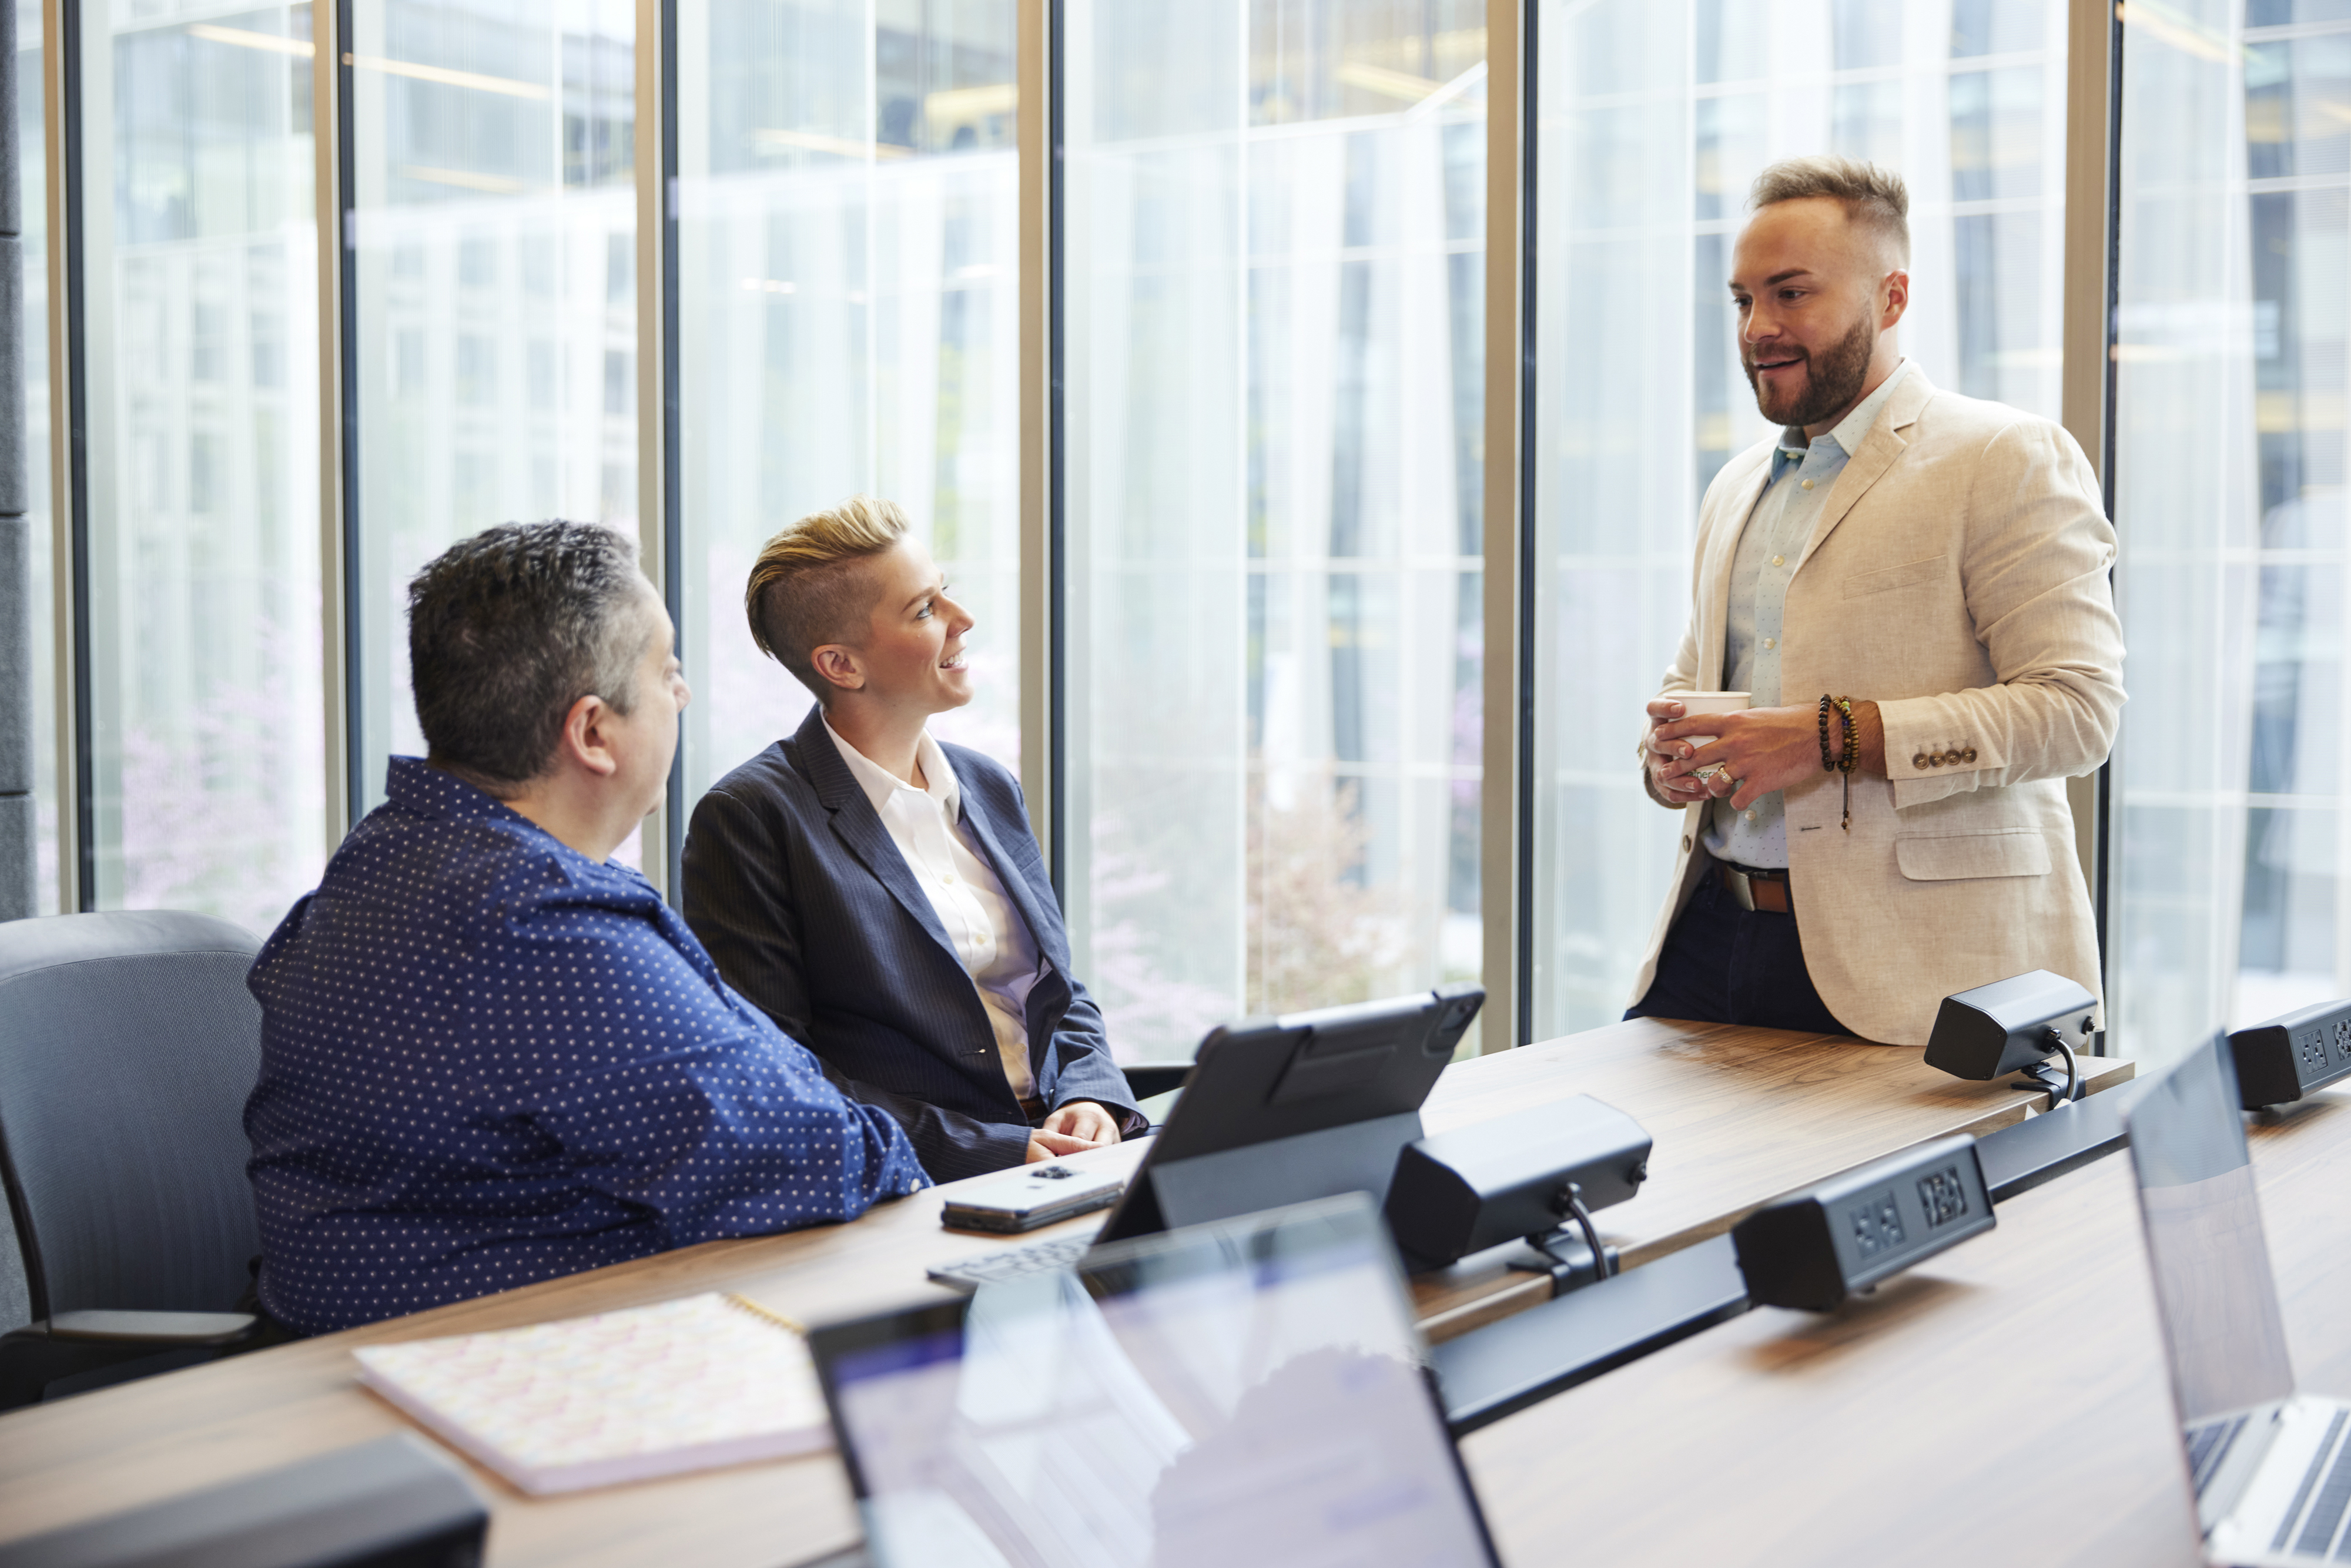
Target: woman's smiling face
<point x="911" y="654"/>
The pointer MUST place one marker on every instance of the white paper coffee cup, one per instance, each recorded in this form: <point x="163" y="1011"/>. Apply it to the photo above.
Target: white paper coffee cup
<point x="1696" y="702"/>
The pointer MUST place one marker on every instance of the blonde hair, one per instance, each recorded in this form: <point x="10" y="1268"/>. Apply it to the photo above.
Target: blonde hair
<point x="1875" y="200"/>
<point x="806" y="589"/>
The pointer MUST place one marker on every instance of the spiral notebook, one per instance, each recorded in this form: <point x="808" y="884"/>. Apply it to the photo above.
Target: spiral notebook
<point x="687" y="1384"/>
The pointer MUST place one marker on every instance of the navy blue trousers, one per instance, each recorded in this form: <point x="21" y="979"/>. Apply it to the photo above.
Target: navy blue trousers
<point x="1722" y="964"/>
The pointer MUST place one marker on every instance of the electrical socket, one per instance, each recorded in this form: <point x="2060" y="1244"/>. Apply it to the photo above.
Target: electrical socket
<point x="2281" y="1061"/>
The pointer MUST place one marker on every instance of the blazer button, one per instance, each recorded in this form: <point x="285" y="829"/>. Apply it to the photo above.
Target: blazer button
<point x="1969" y="755"/>
<point x="1685" y="842"/>
<point x="1919" y="761"/>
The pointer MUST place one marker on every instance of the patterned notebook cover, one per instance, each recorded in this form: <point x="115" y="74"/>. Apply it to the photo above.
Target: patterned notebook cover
<point x="685" y="1386"/>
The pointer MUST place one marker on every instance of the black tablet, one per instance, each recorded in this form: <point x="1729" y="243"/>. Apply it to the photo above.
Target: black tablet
<point x="1289" y="1109"/>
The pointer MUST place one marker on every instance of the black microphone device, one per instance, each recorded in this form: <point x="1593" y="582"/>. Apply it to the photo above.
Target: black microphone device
<point x="1522" y="1174"/>
<point x="2016" y="1025"/>
<point x="1815" y="1247"/>
<point x="2279" y="1062"/>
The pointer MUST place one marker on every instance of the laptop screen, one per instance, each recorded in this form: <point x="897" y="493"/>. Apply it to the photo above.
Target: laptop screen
<point x="2213" y="1289"/>
<point x="1245" y="1392"/>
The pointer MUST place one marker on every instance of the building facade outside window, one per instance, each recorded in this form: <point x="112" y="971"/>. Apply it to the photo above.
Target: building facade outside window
<point x="2231" y="866"/>
<point x="1274" y="288"/>
<point x="493" y="249"/>
<point x="207" y="742"/>
<point x="848" y="197"/>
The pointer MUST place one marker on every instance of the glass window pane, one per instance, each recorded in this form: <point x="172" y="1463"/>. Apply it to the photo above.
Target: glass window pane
<point x="2281" y="13"/>
<point x="494" y="244"/>
<point x="32" y="164"/>
<point x="2231" y="871"/>
<point x="848" y="307"/>
<point x="1654" y="120"/>
<point x="1274" y="304"/>
<point x="202" y="266"/>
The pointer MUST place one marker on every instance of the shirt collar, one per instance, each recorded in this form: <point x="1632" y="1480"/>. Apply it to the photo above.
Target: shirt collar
<point x="1850" y="431"/>
<point x="417" y="786"/>
<point x="879" y="784"/>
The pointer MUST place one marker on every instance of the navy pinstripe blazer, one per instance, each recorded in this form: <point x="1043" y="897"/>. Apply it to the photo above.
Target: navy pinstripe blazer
<point x="797" y="889"/>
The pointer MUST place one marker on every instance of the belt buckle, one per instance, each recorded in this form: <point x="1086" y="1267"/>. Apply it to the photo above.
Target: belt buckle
<point x="1743" y="888"/>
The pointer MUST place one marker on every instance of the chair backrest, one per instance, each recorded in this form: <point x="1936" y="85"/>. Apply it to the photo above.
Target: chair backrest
<point x="128" y="1045"/>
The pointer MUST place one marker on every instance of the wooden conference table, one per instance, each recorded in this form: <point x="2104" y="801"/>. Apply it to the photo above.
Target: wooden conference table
<point x="1738" y="1115"/>
<point x="2005" y="1402"/>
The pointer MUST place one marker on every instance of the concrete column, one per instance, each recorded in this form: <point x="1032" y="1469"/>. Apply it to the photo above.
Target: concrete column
<point x="19" y="823"/>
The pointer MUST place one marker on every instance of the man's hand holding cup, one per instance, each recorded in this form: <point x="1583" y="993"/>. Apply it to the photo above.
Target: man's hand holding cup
<point x="1672" y="778"/>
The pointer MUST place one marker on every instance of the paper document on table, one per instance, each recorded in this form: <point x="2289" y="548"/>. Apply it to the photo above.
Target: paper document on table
<point x="621" y="1397"/>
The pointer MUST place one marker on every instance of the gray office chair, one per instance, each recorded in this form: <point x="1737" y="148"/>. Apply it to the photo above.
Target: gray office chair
<point x="128" y="1045"/>
<point x="1145" y="1079"/>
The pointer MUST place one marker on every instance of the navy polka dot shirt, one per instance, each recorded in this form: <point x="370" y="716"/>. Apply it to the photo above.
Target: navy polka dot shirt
<point x="487" y="1059"/>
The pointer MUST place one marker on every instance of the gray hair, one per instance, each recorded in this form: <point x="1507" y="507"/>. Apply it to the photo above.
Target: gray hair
<point x="1875" y="199"/>
<point x="507" y="630"/>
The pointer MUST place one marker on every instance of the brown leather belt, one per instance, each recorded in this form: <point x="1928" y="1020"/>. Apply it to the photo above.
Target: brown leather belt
<point x="1764" y="890"/>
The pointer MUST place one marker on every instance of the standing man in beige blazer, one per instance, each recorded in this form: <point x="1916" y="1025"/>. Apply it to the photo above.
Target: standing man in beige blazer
<point x="1937" y="568"/>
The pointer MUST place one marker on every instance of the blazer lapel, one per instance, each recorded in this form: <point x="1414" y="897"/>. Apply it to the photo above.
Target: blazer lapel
<point x="1878" y="450"/>
<point x="859" y="826"/>
<point x="1714" y="622"/>
<point x="1016" y="886"/>
<point x="1049" y="998"/>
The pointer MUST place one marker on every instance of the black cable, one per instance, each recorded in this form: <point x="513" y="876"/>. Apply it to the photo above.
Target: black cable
<point x="1600" y="1263"/>
<point x="1571" y="1198"/>
<point x="2073" y="1071"/>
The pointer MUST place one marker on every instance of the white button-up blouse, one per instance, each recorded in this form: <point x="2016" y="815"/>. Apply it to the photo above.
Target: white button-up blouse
<point x="994" y="944"/>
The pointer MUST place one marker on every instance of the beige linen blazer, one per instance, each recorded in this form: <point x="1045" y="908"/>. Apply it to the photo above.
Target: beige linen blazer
<point x="1958" y="577"/>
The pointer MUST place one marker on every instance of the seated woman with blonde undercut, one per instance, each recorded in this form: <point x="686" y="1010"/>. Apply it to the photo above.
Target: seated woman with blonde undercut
<point x="879" y="893"/>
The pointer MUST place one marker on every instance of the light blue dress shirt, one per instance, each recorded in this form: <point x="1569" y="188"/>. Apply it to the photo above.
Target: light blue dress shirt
<point x="1769" y="548"/>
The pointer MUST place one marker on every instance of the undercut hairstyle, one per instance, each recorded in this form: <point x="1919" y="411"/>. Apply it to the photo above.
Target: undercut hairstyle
<point x="1875" y="199"/>
<point x="807" y="587"/>
<point x="510" y="627"/>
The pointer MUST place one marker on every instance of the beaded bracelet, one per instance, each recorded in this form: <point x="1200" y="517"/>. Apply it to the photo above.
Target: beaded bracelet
<point x="1828" y="758"/>
<point x="1852" y="755"/>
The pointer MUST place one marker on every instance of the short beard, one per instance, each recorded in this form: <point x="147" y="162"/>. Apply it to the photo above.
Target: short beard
<point x="1835" y="384"/>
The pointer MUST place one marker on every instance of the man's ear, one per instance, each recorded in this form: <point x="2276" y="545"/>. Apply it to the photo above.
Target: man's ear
<point x="837" y="664"/>
<point x="584" y="743"/>
<point x="1895" y="289"/>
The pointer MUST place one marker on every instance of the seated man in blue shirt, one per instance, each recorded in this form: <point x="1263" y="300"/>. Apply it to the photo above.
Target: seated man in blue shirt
<point x="489" y="1055"/>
